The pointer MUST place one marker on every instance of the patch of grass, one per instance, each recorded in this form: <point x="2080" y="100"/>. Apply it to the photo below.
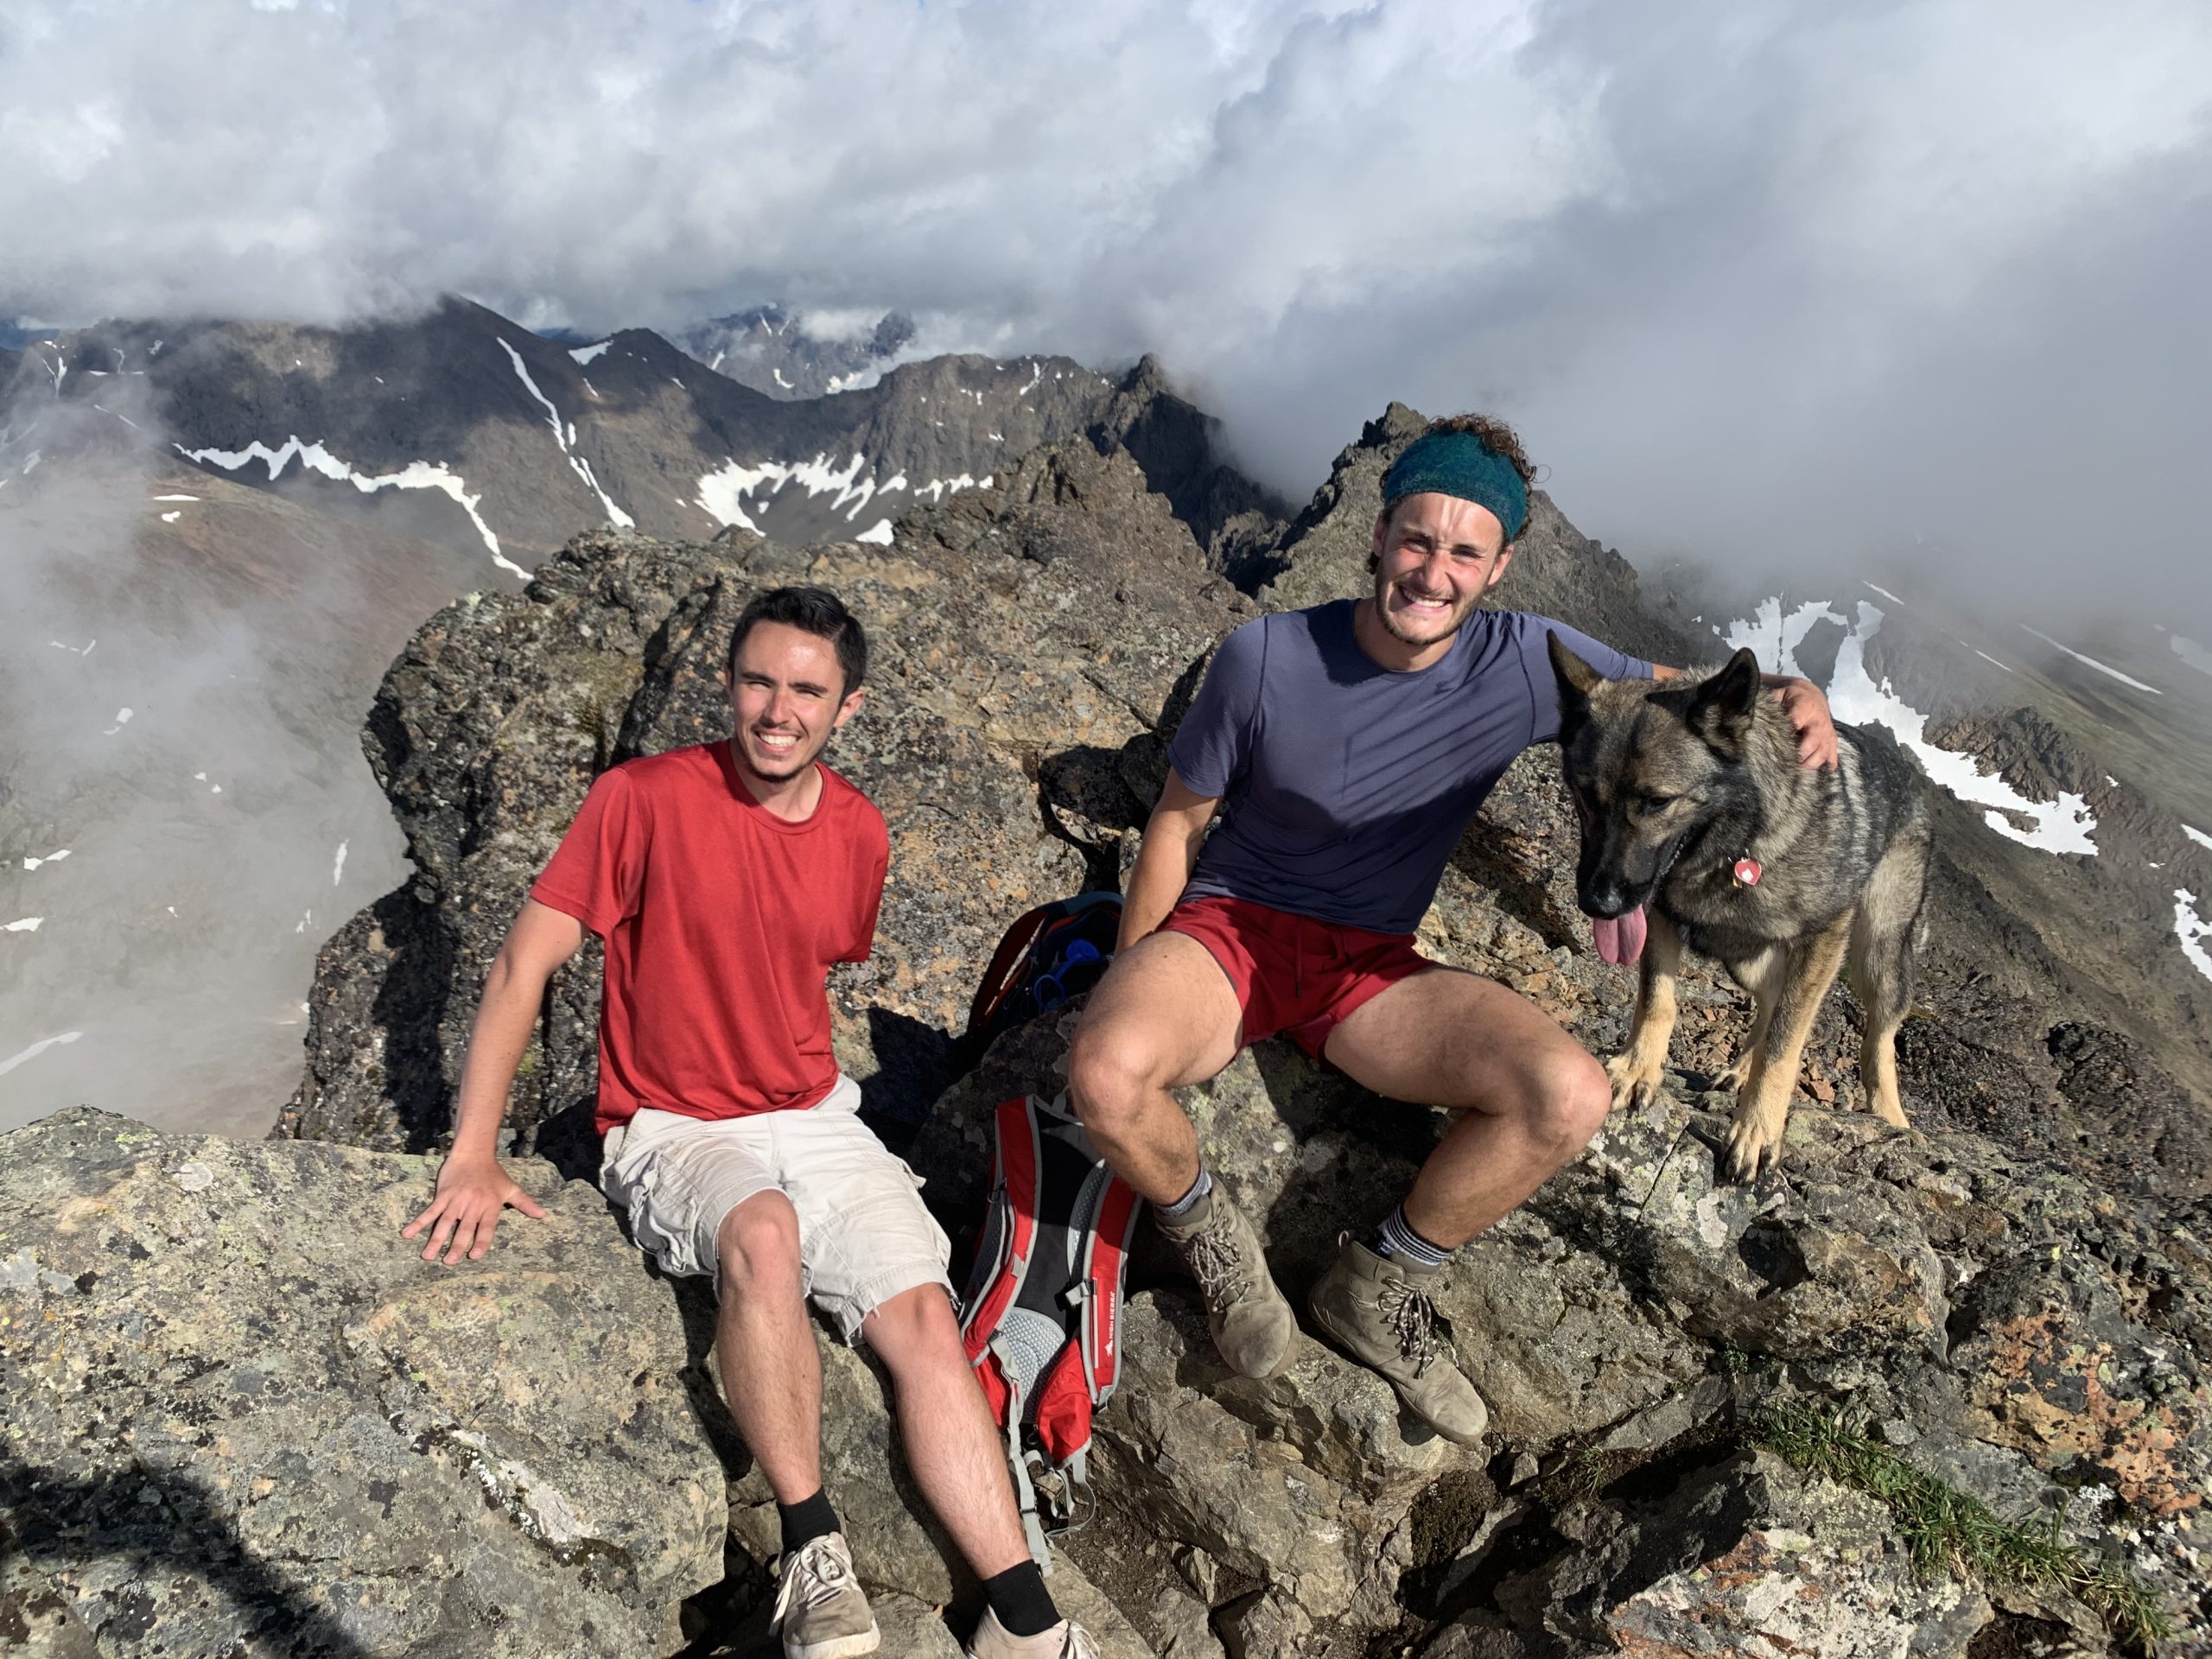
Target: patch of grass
<point x="1590" y="1470"/>
<point x="1740" y="1361"/>
<point x="1947" y="1530"/>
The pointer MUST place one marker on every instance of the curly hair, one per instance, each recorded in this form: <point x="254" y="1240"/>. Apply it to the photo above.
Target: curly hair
<point x="1493" y="435"/>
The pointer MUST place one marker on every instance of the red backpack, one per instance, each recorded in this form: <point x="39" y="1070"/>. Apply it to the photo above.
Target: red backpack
<point x="1041" y="1318"/>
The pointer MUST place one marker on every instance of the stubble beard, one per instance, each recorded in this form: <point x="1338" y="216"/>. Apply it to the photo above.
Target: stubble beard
<point x="800" y="759"/>
<point x="1396" y="630"/>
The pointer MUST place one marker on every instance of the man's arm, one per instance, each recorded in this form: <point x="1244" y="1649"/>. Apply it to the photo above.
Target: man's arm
<point x="1806" y="706"/>
<point x="1170" y="850"/>
<point x="472" y="1185"/>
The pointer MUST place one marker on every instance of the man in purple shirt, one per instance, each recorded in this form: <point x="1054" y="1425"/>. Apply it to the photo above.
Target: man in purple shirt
<point x="1347" y="747"/>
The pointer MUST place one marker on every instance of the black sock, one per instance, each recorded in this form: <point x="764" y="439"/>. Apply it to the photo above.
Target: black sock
<point x="806" y="1521"/>
<point x="1019" y="1597"/>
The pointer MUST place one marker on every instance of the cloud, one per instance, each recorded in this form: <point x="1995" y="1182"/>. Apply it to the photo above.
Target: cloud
<point x="1792" y="281"/>
<point x="177" y="770"/>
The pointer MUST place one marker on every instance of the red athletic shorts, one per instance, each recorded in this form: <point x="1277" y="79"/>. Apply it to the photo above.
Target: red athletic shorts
<point x="1294" y="976"/>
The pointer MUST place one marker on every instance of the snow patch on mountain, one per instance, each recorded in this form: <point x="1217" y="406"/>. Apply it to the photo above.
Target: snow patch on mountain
<point x="2101" y="668"/>
<point x="728" y="491"/>
<point x="938" y="488"/>
<point x="2197" y="657"/>
<point x="36" y="1049"/>
<point x="416" y="475"/>
<point x="2196" y="834"/>
<point x="1774" y="634"/>
<point x="585" y="354"/>
<point x="565" y="437"/>
<point x="879" y="533"/>
<point x="2192" y="930"/>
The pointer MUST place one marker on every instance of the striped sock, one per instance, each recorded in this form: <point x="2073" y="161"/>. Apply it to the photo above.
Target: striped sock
<point x="1189" y="1201"/>
<point x="1395" y="1239"/>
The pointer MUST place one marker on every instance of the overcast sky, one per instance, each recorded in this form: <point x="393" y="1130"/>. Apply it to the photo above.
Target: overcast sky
<point x="1808" y="281"/>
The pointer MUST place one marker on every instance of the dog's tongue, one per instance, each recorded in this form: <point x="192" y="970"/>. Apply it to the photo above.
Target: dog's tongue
<point x="1620" y="938"/>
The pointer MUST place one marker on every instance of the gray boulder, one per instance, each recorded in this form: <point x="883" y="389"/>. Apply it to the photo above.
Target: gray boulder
<point x="242" y="1416"/>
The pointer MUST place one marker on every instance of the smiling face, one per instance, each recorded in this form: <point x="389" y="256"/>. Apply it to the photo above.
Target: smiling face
<point x="1435" y="557"/>
<point x="786" y="696"/>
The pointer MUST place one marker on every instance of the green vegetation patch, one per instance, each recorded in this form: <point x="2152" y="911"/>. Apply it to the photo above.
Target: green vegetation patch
<point x="1949" y="1531"/>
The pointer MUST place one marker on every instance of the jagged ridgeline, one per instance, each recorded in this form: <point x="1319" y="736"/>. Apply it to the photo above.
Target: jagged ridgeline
<point x="1939" y="1392"/>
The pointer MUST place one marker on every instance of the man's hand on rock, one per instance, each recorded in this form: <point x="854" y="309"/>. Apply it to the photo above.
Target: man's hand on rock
<point x="1807" y="709"/>
<point x="471" y="1191"/>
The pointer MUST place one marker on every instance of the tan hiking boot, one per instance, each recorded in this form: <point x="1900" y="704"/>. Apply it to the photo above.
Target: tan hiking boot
<point x="1379" y="1311"/>
<point x="1065" y="1640"/>
<point x="820" y="1610"/>
<point x="1251" y="1322"/>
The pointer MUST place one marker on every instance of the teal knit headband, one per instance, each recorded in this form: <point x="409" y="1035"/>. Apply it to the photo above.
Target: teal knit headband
<point x="1459" y="463"/>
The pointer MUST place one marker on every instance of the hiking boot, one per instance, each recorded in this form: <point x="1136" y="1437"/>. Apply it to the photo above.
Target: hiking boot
<point x="1252" y="1325"/>
<point x="820" y="1610"/>
<point x="1065" y="1640"/>
<point x="1378" y="1311"/>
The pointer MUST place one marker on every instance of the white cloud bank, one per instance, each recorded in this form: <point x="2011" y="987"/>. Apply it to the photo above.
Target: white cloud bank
<point x="1790" y="280"/>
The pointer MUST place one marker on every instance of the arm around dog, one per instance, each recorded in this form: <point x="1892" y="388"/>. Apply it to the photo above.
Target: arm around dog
<point x="473" y="1188"/>
<point x="1806" y="707"/>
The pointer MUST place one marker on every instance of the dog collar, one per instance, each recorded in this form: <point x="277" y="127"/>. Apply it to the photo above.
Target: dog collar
<point x="1746" y="873"/>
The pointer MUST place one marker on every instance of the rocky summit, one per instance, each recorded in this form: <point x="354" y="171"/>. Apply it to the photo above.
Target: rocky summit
<point x="1941" y="1392"/>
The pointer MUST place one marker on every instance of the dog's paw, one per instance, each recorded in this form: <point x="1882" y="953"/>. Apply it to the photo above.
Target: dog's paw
<point x="1736" y="1076"/>
<point x="1635" y="1082"/>
<point x="1754" y="1141"/>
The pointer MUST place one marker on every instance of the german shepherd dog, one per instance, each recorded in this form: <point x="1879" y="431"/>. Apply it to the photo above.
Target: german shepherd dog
<point x="1693" y="803"/>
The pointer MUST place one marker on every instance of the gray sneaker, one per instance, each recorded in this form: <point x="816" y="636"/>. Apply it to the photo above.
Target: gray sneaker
<point x="1252" y="1325"/>
<point x="820" y="1610"/>
<point x="1379" y="1311"/>
<point x="1065" y="1640"/>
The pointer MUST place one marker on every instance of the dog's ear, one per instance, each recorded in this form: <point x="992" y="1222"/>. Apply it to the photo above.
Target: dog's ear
<point x="1720" y="710"/>
<point x="1577" y="679"/>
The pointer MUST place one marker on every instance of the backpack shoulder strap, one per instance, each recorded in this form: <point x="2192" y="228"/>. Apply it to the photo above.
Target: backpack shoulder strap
<point x="1010" y="1231"/>
<point x="991" y="988"/>
<point x="1104" y="1269"/>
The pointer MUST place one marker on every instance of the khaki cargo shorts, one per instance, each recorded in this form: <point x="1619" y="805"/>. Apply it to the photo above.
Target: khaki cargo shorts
<point x="864" y="1234"/>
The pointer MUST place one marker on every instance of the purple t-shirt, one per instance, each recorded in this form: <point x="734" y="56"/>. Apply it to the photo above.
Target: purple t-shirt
<point x="1346" y="785"/>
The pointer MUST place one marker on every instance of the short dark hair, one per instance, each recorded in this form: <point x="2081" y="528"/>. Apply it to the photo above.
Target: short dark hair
<point x="811" y="610"/>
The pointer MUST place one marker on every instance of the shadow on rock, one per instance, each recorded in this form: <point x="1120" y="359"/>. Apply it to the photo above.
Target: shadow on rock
<point x="915" y="1063"/>
<point x="159" y="1537"/>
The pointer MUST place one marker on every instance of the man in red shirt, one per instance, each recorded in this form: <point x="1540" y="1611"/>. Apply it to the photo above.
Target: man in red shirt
<point x="727" y="879"/>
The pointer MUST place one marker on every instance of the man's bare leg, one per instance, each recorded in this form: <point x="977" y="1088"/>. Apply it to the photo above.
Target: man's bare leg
<point x="1166" y="1015"/>
<point x="954" y="1449"/>
<point x="1527" y="1096"/>
<point x="1163" y="1016"/>
<point x="764" y="1345"/>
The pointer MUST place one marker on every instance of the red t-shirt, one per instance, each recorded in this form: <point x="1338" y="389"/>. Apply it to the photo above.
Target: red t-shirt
<point x="722" y="921"/>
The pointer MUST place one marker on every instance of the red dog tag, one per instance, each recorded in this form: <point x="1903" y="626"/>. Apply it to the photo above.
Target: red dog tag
<point x="1747" y="871"/>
